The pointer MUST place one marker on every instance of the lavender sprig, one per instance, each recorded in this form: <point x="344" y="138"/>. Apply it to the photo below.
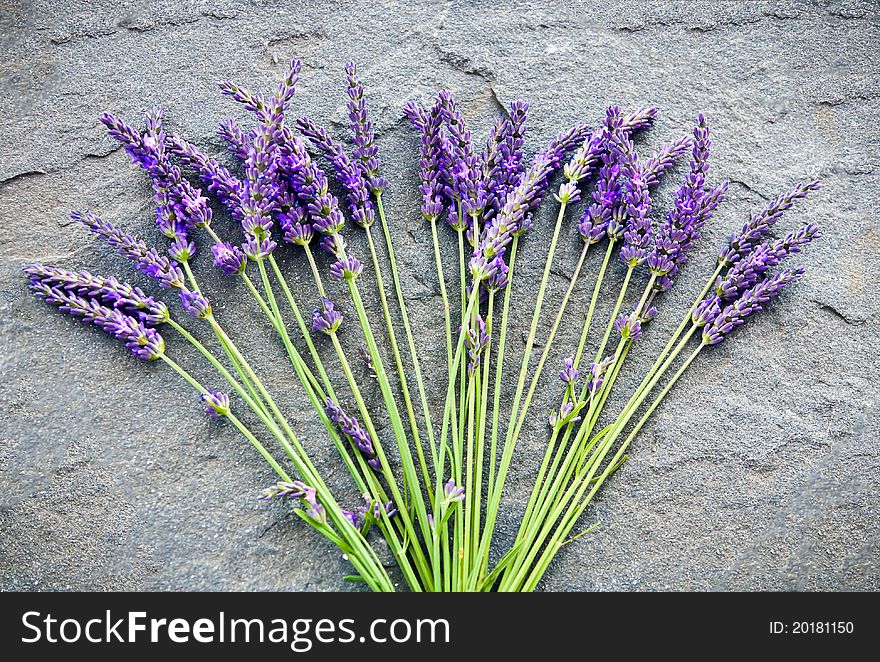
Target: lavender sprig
<point x="350" y="426"/>
<point x="750" y="301"/>
<point x="147" y="260"/>
<point x="107" y="289"/>
<point x="144" y="342"/>
<point x="350" y="175"/>
<point x="759" y="224"/>
<point x="366" y="153"/>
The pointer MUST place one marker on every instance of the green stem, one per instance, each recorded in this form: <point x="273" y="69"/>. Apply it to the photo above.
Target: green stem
<point x="417" y="368"/>
<point x="398" y="360"/>
<point x="494" y="499"/>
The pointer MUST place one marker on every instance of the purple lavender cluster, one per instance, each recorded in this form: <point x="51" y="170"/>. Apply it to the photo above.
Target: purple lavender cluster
<point x="747" y="285"/>
<point x="359" y="437"/>
<point x="308" y="498"/>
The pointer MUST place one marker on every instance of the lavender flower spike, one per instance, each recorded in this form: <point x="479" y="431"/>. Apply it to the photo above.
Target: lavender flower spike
<point x="359" y="437"/>
<point x="750" y="301"/>
<point x="147" y="260"/>
<point x="348" y="173"/>
<point x="326" y="319"/>
<point x="111" y="292"/>
<point x="430" y="156"/>
<point x="452" y="493"/>
<point x="759" y="224"/>
<point x="366" y="154"/>
<point x="144" y="342"/>
<point x="569" y="374"/>
<point x="294" y="490"/>
<point x="216" y="403"/>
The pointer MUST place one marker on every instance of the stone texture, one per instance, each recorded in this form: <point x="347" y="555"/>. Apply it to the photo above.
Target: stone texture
<point x="761" y="469"/>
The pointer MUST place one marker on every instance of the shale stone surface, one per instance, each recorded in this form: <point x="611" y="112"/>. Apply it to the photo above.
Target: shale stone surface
<point x="760" y="471"/>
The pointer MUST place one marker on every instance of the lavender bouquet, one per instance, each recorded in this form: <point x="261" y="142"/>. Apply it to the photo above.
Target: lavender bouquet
<point x="434" y="496"/>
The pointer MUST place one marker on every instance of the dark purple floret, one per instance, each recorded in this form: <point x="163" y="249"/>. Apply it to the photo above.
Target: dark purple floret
<point x="346" y="269"/>
<point x="216" y="403"/>
<point x="333" y="244"/>
<point x="195" y="304"/>
<point x="366" y="153"/>
<point x="628" y="326"/>
<point x="107" y="289"/>
<point x="181" y="250"/>
<point x="350" y="426"/>
<point x="750" y="301"/>
<point x="147" y="260"/>
<point x="230" y="259"/>
<point x="759" y="224"/>
<point x="326" y="319"/>
<point x="569" y="374"/>
<point x="349" y="174"/>
<point x="144" y="342"/>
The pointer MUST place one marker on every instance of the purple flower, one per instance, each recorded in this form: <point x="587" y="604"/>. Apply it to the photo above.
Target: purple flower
<point x="326" y="319"/>
<point x="313" y="510"/>
<point x="628" y="327"/>
<point x="216" y="403"/>
<point x="763" y="257"/>
<point x="498" y="271"/>
<point x="565" y="416"/>
<point x="297" y="229"/>
<point x="468" y="185"/>
<point x="527" y="195"/>
<point x="452" y="493"/>
<point x="348" y="173"/>
<point x="238" y="142"/>
<point x="430" y="156"/>
<point x="179" y="205"/>
<point x="693" y="207"/>
<point x="181" y="250"/>
<point x="569" y="374"/>
<point x="195" y="304"/>
<point x="258" y="249"/>
<point x="147" y="260"/>
<point x="333" y="244"/>
<point x="750" y="301"/>
<point x="351" y="427"/>
<point x="230" y="259"/>
<point x="346" y="269"/>
<point x="107" y="289"/>
<point x="293" y="490"/>
<point x="759" y="224"/>
<point x="597" y="375"/>
<point x="143" y="341"/>
<point x="216" y="177"/>
<point x="505" y="167"/>
<point x="476" y="340"/>
<point x="366" y="153"/>
<point x="665" y="157"/>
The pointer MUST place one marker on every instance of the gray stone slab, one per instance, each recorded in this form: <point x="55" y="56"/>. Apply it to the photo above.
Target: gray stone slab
<point x="761" y="469"/>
